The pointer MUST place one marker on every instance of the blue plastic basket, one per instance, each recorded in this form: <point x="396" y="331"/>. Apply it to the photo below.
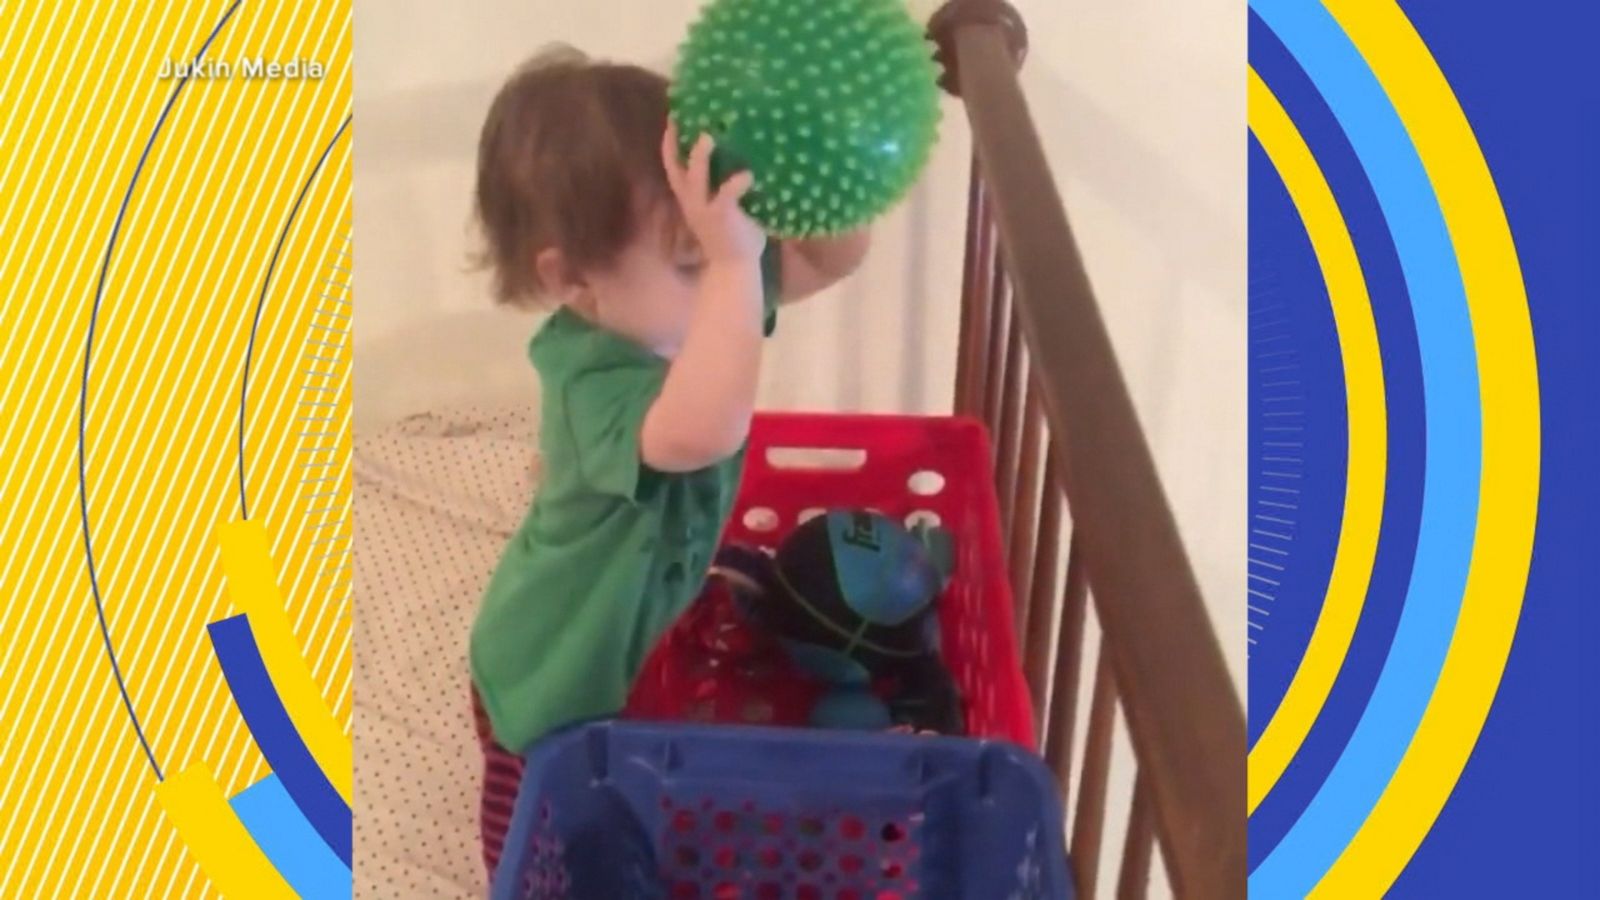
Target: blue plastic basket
<point x="637" y="811"/>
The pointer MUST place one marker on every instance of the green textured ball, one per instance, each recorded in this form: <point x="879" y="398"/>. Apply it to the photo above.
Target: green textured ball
<point x="833" y="105"/>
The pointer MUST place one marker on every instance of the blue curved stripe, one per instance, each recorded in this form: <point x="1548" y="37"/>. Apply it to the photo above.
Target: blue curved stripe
<point x="290" y="843"/>
<point x="275" y="734"/>
<point x="1299" y="440"/>
<point x="1402" y="492"/>
<point x="1451" y="460"/>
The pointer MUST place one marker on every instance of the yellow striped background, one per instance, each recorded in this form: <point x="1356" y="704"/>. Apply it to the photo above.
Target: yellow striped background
<point x="79" y="98"/>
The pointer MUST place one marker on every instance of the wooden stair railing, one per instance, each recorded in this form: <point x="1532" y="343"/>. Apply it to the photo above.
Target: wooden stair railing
<point x="1037" y="365"/>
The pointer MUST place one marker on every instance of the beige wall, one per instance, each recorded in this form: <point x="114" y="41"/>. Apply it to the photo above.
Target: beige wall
<point x="1140" y="102"/>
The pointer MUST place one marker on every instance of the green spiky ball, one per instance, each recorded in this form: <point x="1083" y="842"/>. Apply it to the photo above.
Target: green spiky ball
<point x="833" y="105"/>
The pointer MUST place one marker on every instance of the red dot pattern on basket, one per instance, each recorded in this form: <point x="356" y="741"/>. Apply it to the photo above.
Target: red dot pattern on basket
<point x="716" y="666"/>
<point x="740" y="852"/>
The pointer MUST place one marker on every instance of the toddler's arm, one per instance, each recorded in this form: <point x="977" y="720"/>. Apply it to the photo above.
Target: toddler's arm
<point x="812" y="264"/>
<point x="702" y="414"/>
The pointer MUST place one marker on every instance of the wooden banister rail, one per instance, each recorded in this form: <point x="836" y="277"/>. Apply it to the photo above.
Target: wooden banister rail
<point x="1184" y="717"/>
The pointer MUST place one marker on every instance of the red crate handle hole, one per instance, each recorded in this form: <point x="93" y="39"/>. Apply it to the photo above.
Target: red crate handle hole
<point x="817" y="459"/>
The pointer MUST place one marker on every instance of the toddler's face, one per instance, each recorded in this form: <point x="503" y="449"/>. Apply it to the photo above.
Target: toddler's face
<point x="648" y="295"/>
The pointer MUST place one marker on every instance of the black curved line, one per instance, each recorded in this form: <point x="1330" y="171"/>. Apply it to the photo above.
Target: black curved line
<point x="250" y="349"/>
<point x="83" y="398"/>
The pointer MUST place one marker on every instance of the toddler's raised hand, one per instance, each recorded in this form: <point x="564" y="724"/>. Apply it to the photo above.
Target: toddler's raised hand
<point x="725" y="232"/>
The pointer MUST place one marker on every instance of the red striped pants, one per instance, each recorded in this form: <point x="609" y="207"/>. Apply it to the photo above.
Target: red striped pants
<point x="502" y="775"/>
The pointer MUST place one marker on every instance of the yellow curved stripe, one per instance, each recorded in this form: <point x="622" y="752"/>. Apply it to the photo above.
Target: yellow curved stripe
<point x="1508" y="374"/>
<point x="161" y="430"/>
<point x="1368" y="442"/>
<point x="216" y="837"/>
<point x="247" y="563"/>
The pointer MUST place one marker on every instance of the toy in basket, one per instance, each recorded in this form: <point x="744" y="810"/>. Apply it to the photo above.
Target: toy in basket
<point x="850" y="594"/>
<point x="636" y="811"/>
<point x="718" y="665"/>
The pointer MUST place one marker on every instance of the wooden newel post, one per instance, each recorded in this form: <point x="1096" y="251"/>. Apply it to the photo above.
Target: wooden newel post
<point x="956" y="14"/>
<point x="983" y="279"/>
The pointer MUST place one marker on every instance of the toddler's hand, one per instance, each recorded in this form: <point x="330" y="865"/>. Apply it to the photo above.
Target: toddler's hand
<point x="725" y="232"/>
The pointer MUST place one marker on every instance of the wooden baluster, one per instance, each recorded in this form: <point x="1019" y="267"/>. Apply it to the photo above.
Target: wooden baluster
<point x="977" y="281"/>
<point x="1063" y="719"/>
<point x="1089" y="822"/>
<point x="1040" y="630"/>
<point x="1025" y="543"/>
<point x="1133" y="882"/>
<point x="1000" y="314"/>
<point x="1008" y="443"/>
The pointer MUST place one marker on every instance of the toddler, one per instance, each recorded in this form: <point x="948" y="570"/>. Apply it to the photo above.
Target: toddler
<point x="662" y="291"/>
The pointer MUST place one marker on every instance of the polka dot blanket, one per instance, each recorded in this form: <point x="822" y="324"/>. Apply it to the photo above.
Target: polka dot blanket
<point x="436" y="497"/>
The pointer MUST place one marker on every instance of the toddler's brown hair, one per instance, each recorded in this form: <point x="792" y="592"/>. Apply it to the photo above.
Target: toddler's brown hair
<point x="569" y="158"/>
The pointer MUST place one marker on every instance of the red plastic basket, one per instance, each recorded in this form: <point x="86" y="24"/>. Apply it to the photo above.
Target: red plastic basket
<point x="798" y="464"/>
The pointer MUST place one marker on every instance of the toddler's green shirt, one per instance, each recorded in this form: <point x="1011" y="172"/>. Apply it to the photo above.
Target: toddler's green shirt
<point x="611" y="551"/>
